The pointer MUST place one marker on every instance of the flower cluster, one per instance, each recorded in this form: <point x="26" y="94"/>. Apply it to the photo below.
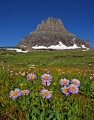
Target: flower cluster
<point x="46" y="79"/>
<point x="69" y="86"/>
<point x="17" y="92"/>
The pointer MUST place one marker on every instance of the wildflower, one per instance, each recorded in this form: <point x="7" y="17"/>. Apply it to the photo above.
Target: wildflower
<point x="31" y="76"/>
<point x="21" y="85"/>
<point x="46" y="76"/>
<point x="90" y="64"/>
<point x="63" y="72"/>
<point x="64" y="82"/>
<point x="58" y="70"/>
<point x="46" y="83"/>
<point x="91" y="77"/>
<point x="11" y="72"/>
<point x="75" y="82"/>
<point x="51" y="91"/>
<point x="23" y="73"/>
<point x="54" y="83"/>
<point x="47" y="70"/>
<point x="84" y="74"/>
<point x="65" y="90"/>
<point x="16" y="73"/>
<point x="24" y="92"/>
<point x="16" y="93"/>
<point x="46" y="93"/>
<point x="79" y="73"/>
<point x="73" y="89"/>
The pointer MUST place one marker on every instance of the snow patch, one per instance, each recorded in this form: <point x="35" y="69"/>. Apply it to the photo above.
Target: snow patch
<point x="83" y="46"/>
<point x="60" y="46"/>
<point x="73" y="39"/>
<point x="17" y="50"/>
<point x="23" y="45"/>
<point x="39" y="47"/>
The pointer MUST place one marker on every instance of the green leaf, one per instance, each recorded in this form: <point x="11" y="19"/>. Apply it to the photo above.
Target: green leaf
<point x="27" y="116"/>
<point x="42" y="115"/>
<point x="34" y="118"/>
<point x="51" y="116"/>
<point x="57" y="115"/>
<point x="69" y="113"/>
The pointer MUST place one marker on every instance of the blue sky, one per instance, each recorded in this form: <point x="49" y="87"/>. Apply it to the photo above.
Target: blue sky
<point x="20" y="17"/>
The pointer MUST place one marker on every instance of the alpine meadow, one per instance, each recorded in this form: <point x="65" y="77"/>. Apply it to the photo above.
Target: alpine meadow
<point x="47" y="85"/>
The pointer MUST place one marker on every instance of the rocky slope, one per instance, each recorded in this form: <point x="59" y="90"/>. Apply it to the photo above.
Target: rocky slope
<point x="51" y="32"/>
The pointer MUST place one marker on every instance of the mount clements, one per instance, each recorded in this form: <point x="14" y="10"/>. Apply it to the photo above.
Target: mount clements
<point x="51" y="34"/>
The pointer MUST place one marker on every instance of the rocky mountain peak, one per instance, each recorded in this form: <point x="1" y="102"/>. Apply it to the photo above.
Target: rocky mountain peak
<point x="52" y="32"/>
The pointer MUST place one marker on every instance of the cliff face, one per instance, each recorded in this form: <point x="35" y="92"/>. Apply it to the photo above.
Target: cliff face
<point x="51" y="32"/>
<point x="51" y="24"/>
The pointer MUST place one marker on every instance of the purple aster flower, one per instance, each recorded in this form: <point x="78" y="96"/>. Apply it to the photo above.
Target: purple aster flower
<point x="16" y="93"/>
<point x="46" y="83"/>
<point x="46" y="76"/>
<point x="73" y="89"/>
<point x="24" y="92"/>
<point x="46" y="93"/>
<point x="65" y="90"/>
<point x="75" y="82"/>
<point x="31" y="76"/>
<point x="64" y="82"/>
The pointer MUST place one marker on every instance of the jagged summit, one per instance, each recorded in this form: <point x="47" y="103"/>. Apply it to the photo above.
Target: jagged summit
<point x="51" y="24"/>
<point x="51" y="32"/>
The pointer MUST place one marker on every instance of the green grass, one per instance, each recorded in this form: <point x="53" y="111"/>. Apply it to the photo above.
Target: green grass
<point x="60" y="64"/>
<point x="49" y="58"/>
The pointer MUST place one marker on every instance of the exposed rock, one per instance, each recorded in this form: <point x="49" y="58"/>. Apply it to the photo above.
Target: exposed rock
<point x="51" y="25"/>
<point x="51" y="32"/>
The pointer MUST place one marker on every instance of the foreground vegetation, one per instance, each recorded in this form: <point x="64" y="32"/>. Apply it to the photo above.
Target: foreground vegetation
<point x="14" y="69"/>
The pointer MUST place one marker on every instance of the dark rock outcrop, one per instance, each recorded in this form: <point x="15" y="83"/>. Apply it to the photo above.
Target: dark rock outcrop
<point x="51" y="32"/>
